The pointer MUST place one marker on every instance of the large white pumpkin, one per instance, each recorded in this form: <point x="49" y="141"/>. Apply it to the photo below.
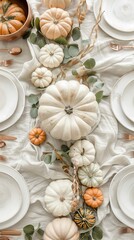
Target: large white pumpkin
<point x="51" y="55"/>
<point x="61" y="229"/>
<point x="68" y="110"/>
<point x="90" y="176"/>
<point x="82" y="153"/>
<point x="58" y="197"/>
<point x="57" y="3"/>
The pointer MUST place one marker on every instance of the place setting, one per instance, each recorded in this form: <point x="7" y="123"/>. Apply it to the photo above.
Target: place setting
<point x="15" y="199"/>
<point x="117" y="19"/>
<point x="121" y="193"/>
<point x="12" y="99"/>
<point x="122" y="100"/>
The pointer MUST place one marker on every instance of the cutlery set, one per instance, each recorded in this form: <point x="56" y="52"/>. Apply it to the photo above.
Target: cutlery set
<point x="3" y="144"/>
<point x="4" y="234"/>
<point x="13" y="51"/>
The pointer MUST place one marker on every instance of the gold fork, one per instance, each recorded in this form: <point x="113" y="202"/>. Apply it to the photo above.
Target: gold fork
<point x="126" y="136"/>
<point x="118" y="47"/>
<point x="6" y="63"/>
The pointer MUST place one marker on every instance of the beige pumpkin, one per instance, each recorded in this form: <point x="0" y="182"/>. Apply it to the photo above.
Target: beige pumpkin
<point x="51" y="55"/>
<point x="55" y="23"/>
<point x="68" y="110"/>
<point x="57" y="3"/>
<point x="90" y="176"/>
<point x="41" y="77"/>
<point x="58" y="197"/>
<point x="61" y="228"/>
<point x="82" y="153"/>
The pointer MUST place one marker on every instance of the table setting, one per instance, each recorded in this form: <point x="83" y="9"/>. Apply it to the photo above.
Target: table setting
<point x="66" y="120"/>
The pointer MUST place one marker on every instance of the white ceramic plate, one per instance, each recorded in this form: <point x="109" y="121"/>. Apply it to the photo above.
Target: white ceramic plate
<point x="116" y="97"/>
<point x="113" y="196"/>
<point x="21" y="100"/>
<point x="107" y="28"/>
<point x="119" y="14"/>
<point x="8" y="98"/>
<point x="125" y="194"/>
<point x="127" y="101"/>
<point x="10" y="197"/>
<point x="24" y="192"/>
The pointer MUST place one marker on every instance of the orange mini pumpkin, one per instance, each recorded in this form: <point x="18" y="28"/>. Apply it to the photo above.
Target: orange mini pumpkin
<point x="93" y="197"/>
<point x="37" y="136"/>
<point x="12" y="17"/>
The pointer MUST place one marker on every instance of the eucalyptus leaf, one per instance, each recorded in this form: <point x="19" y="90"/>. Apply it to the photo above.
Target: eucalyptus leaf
<point x="32" y="22"/>
<point x="27" y="34"/>
<point x="66" y="60"/>
<point x="73" y="51"/>
<point x="37" y="23"/>
<point x="90" y="63"/>
<point x="29" y="229"/>
<point x="97" y="233"/>
<point x="99" y="96"/>
<point x="33" y="38"/>
<point x="40" y="232"/>
<point x="85" y="236"/>
<point x="76" y="34"/>
<point x="65" y="155"/>
<point x="34" y="112"/>
<point x="47" y="158"/>
<point x="53" y="157"/>
<point x="64" y="148"/>
<point x="92" y="79"/>
<point x="28" y="237"/>
<point x="41" y="42"/>
<point x="98" y="85"/>
<point x="61" y="40"/>
<point x="66" y="52"/>
<point x="74" y="72"/>
<point x="33" y="99"/>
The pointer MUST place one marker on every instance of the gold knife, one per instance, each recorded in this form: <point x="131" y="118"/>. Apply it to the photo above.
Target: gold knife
<point x="12" y="232"/>
<point x="4" y="137"/>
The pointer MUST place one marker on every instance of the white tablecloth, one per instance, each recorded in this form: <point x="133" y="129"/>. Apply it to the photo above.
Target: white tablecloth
<point x="110" y="151"/>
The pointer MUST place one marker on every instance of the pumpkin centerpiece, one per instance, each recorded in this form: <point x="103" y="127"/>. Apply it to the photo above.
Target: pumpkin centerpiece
<point x="90" y="176"/>
<point x="93" y="197"/>
<point x="57" y="3"/>
<point x="82" y="153"/>
<point x="68" y="110"/>
<point x="58" y="197"/>
<point x="85" y="218"/>
<point x="12" y="17"/>
<point x="61" y="228"/>
<point x="55" y="23"/>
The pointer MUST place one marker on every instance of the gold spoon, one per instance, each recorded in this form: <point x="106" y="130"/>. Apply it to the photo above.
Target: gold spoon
<point x="13" y="51"/>
<point x="118" y="47"/>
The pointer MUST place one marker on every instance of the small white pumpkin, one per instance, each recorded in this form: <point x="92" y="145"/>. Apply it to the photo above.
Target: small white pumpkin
<point x="57" y="3"/>
<point x="58" y="197"/>
<point x="41" y="77"/>
<point x="68" y="110"/>
<point x="61" y="228"/>
<point x="51" y="55"/>
<point x="90" y="176"/>
<point x="82" y="153"/>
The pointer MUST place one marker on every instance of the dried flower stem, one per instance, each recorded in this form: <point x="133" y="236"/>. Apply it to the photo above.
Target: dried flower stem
<point x="75" y="188"/>
<point x="82" y="11"/>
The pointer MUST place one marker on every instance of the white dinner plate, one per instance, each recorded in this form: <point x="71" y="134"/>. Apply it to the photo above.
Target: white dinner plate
<point x="8" y="98"/>
<point x="127" y="101"/>
<point x="113" y="196"/>
<point x="107" y="28"/>
<point x="10" y="197"/>
<point x="21" y="100"/>
<point x="125" y="194"/>
<point x="24" y="193"/>
<point x="119" y="14"/>
<point x="115" y="100"/>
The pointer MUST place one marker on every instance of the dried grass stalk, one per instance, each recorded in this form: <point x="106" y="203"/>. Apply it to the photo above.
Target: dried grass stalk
<point x="76" y="189"/>
<point x="82" y="11"/>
